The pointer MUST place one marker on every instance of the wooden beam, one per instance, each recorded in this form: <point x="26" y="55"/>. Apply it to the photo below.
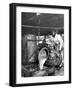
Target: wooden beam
<point x="29" y="26"/>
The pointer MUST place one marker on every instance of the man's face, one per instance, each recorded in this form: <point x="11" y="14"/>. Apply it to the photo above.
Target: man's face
<point x="54" y="33"/>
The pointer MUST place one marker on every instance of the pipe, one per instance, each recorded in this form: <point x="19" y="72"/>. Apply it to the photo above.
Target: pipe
<point x="29" y="26"/>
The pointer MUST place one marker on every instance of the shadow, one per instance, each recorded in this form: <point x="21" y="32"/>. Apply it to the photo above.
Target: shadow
<point x="7" y="84"/>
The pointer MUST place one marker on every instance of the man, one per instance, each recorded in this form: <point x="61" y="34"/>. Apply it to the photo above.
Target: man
<point x="59" y="44"/>
<point x="58" y="40"/>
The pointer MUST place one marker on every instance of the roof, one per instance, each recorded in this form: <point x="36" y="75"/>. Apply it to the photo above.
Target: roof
<point x="43" y="22"/>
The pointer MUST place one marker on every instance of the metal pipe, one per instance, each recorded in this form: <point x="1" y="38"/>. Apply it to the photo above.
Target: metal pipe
<point x="56" y="28"/>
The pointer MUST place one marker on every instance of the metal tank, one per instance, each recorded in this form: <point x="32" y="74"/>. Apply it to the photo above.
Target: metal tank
<point x="31" y="47"/>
